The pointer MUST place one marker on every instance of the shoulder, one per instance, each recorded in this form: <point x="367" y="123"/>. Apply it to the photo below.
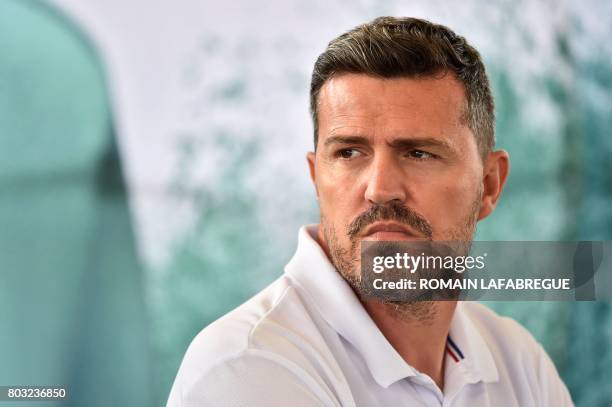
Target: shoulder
<point x="511" y="345"/>
<point x="232" y="334"/>
<point x="521" y="360"/>
<point x="265" y="337"/>
<point x="499" y="331"/>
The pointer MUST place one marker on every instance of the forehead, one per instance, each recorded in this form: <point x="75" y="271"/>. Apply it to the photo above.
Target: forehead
<point x="431" y="106"/>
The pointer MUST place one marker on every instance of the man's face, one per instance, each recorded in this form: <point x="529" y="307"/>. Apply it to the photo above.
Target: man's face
<point x="395" y="160"/>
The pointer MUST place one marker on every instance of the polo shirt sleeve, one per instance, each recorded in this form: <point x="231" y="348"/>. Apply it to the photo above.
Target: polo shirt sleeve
<point x="553" y="390"/>
<point x="254" y="378"/>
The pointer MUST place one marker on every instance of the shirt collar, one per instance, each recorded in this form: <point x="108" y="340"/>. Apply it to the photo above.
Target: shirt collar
<point x="477" y="362"/>
<point x="311" y="269"/>
<point x="337" y="303"/>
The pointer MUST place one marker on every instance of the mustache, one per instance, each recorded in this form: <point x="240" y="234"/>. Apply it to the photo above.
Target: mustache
<point x="395" y="211"/>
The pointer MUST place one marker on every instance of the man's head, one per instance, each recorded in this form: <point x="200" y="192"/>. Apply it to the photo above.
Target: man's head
<point x="391" y="47"/>
<point x="404" y="132"/>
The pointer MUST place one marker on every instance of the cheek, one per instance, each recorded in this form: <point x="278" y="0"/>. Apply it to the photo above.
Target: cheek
<point x="448" y="202"/>
<point x="338" y="197"/>
<point x="334" y="205"/>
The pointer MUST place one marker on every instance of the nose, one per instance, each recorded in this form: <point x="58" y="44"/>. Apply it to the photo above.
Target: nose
<point x="385" y="181"/>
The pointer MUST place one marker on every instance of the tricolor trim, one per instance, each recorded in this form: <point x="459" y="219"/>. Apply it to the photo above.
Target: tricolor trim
<point x="453" y="350"/>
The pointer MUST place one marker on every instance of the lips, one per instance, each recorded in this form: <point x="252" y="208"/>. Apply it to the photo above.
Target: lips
<point x="389" y="231"/>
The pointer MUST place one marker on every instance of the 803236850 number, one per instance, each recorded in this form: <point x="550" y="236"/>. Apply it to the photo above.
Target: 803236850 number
<point x="16" y="393"/>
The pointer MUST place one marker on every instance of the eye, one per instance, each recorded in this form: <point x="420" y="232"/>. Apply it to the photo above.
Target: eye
<point x="347" y="153"/>
<point x="420" y="154"/>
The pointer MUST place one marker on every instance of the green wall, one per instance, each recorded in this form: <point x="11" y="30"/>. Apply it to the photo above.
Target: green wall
<point x="71" y="294"/>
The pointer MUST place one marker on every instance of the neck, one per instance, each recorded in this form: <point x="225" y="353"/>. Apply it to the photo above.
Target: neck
<point x="417" y="331"/>
<point x="421" y="342"/>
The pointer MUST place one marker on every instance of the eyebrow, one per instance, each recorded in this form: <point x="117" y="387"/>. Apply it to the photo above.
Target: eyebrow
<point x="420" y="142"/>
<point x="346" y="140"/>
<point x="399" y="143"/>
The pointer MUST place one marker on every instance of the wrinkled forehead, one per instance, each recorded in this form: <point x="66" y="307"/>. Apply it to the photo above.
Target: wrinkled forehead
<point x="371" y="106"/>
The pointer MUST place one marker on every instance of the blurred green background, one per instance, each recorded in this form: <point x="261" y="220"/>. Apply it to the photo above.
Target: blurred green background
<point x="80" y="306"/>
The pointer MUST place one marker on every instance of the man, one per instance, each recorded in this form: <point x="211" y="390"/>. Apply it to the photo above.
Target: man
<point x="404" y="135"/>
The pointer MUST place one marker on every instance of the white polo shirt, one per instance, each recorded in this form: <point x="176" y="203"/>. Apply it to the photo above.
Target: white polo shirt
<point x="306" y="340"/>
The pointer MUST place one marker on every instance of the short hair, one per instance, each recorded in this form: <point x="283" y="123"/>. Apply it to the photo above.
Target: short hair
<point x="390" y="47"/>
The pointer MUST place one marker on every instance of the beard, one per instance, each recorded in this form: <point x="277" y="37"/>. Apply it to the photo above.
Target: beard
<point x="347" y="259"/>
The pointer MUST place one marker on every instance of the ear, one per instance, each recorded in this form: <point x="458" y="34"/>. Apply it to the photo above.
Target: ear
<point x="311" y="158"/>
<point x="495" y="173"/>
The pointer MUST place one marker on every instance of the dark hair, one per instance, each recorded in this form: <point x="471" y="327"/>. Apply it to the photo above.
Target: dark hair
<point x="390" y="47"/>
